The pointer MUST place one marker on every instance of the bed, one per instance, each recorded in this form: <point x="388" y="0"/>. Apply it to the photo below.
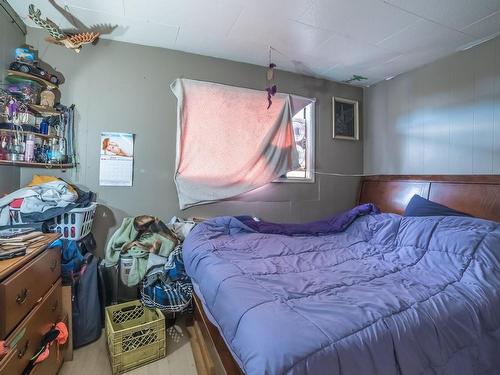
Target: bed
<point x="388" y="295"/>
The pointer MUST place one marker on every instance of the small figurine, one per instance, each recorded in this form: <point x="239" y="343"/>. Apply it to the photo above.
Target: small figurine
<point x="47" y="98"/>
<point x="25" y="54"/>
<point x="57" y="36"/>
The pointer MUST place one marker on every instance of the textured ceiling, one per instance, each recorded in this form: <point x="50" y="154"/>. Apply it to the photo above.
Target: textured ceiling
<point x="333" y="39"/>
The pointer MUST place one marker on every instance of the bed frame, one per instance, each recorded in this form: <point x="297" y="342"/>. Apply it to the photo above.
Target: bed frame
<point x="477" y="195"/>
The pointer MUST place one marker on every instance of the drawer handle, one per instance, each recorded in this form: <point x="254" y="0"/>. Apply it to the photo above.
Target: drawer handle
<point x="22" y="352"/>
<point x="21" y="297"/>
<point x="53" y="265"/>
<point x="55" y="305"/>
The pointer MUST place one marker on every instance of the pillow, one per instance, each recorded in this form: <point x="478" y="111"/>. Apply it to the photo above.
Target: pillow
<point x="418" y="206"/>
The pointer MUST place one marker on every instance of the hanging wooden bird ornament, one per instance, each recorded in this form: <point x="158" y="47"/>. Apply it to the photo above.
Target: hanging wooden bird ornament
<point x="270" y="78"/>
<point x="57" y="36"/>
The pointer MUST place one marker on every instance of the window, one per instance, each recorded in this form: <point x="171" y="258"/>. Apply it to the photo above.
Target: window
<point x="303" y="129"/>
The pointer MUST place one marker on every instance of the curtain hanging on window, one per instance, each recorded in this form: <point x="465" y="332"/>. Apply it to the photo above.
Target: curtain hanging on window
<point x="228" y="143"/>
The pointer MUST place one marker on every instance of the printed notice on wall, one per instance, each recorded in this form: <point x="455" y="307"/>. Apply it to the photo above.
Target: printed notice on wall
<point x="117" y="159"/>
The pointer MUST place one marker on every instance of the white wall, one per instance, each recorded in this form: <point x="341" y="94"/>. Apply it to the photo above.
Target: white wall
<point x="443" y="118"/>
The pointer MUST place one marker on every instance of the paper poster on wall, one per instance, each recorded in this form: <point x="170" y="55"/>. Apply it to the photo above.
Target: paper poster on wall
<point x="117" y="159"/>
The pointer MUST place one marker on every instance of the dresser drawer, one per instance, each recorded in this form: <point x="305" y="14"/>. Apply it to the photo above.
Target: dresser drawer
<point x="24" y="342"/>
<point x="22" y="290"/>
<point x="51" y="365"/>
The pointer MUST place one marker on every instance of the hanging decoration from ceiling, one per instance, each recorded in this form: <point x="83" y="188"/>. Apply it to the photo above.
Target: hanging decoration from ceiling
<point x="271" y="80"/>
<point x="74" y="41"/>
<point x="355" y="78"/>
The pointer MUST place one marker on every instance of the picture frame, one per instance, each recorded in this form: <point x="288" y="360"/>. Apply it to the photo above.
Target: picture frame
<point x="345" y="119"/>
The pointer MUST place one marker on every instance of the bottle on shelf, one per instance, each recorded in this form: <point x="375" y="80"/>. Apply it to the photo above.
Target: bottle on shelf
<point x="29" y="148"/>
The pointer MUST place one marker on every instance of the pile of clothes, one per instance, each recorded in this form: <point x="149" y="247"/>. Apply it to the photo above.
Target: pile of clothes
<point x="44" y="198"/>
<point x="152" y="253"/>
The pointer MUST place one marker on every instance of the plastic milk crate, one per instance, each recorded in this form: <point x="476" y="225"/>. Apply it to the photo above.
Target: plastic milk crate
<point x="135" y="335"/>
<point x="73" y="225"/>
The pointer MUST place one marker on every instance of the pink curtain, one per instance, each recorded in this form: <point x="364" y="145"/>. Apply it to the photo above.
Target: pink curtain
<point x="228" y="143"/>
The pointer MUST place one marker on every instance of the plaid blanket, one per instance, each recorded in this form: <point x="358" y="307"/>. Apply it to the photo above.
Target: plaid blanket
<point x="172" y="291"/>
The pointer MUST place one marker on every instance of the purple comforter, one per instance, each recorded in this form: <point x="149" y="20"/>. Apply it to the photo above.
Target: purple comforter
<point x="389" y="295"/>
<point x="337" y="223"/>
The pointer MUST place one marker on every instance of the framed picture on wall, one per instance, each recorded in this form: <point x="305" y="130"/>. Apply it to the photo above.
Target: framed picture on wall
<point x="345" y="118"/>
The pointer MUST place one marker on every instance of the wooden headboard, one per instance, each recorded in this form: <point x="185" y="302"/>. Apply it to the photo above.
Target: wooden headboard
<point x="477" y="195"/>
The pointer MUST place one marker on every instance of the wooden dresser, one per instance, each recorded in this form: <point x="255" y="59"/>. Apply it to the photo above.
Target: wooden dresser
<point x="30" y="304"/>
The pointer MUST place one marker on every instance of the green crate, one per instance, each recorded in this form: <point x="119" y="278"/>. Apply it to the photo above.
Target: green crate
<point x="135" y="335"/>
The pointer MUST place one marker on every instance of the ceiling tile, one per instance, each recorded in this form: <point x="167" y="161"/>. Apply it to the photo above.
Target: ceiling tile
<point x="225" y="48"/>
<point x="456" y="14"/>
<point x="492" y="4"/>
<point x="425" y="35"/>
<point x="214" y="16"/>
<point x="291" y="9"/>
<point x="290" y="36"/>
<point x="345" y="51"/>
<point x="486" y="27"/>
<point x="106" y="6"/>
<point x="367" y="20"/>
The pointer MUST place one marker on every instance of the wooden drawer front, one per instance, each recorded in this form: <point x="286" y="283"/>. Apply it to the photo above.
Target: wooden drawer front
<point x="24" y="342"/>
<point x="51" y="365"/>
<point x="22" y="290"/>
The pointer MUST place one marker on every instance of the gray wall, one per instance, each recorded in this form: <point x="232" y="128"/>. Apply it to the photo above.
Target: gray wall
<point x="124" y="87"/>
<point x="10" y="38"/>
<point x="443" y="118"/>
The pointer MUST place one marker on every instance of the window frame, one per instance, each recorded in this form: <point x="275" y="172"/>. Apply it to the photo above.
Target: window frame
<point x="310" y="150"/>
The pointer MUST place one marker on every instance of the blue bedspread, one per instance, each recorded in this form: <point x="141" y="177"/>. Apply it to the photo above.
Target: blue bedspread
<point x="389" y="295"/>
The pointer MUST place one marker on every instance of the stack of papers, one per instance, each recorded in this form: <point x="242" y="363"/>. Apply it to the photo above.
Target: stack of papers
<point x="15" y="246"/>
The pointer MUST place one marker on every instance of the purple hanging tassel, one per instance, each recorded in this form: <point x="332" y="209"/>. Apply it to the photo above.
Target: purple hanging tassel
<point x="271" y="90"/>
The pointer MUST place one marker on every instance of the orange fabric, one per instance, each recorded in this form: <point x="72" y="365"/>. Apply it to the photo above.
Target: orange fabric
<point x="3" y="348"/>
<point x="63" y="333"/>
<point x="38" y="180"/>
<point x="43" y="356"/>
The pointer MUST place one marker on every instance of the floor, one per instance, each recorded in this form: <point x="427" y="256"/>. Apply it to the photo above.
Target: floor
<point x="93" y="359"/>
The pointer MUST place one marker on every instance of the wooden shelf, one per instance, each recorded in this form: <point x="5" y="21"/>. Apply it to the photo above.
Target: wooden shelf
<point x="25" y="76"/>
<point x="39" y="135"/>
<point x="44" y="111"/>
<point x="36" y="165"/>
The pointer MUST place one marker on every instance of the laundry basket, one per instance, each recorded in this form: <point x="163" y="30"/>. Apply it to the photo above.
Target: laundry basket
<point x="73" y="225"/>
<point x="135" y="335"/>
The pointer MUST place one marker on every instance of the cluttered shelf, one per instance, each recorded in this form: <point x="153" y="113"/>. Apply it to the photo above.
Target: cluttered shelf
<point x="15" y="76"/>
<point x="45" y="111"/>
<point x="36" y="129"/>
<point x="25" y="132"/>
<point x="28" y="164"/>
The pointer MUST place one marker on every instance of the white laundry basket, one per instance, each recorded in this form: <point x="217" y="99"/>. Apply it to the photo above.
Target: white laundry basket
<point x="73" y="225"/>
